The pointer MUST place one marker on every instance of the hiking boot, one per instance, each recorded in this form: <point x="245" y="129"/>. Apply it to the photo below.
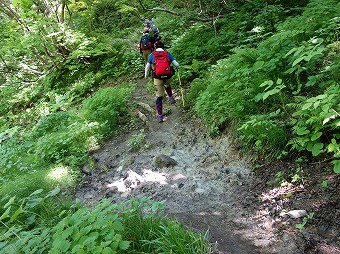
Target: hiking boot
<point x="160" y="118"/>
<point x="172" y="100"/>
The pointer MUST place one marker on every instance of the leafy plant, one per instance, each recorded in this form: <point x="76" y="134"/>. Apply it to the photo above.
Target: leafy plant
<point x="151" y="232"/>
<point x="304" y="221"/>
<point x="26" y="223"/>
<point x="107" y="107"/>
<point x="314" y="122"/>
<point x="97" y="231"/>
<point x="265" y="133"/>
<point x="137" y="141"/>
<point x="324" y="184"/>
<point x="104" y="229"/>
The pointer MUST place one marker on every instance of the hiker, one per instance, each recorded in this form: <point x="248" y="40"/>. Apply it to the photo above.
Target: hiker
<point x="160" y="61"/>
<point x="153" y="28"/>
<point x="146" y="45"/>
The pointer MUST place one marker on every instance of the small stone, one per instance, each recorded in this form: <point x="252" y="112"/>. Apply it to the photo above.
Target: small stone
<point x="297" y="213"/>
<point x="86" y="169"/>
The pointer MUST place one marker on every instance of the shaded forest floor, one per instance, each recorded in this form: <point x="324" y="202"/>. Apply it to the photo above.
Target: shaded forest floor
<point x="209" y="185"/>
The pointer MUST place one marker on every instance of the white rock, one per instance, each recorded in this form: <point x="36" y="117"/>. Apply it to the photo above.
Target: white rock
<point x="297" y="213"/>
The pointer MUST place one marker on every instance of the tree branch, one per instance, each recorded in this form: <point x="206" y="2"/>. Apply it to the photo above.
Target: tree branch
<point x="179" y="14"/>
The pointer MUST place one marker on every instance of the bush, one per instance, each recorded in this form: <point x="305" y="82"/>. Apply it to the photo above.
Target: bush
<point x="107" y="107"/>
<point x="27" y="228"/>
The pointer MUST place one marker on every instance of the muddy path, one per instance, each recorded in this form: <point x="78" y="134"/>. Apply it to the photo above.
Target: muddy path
<point x="205" y="182"/>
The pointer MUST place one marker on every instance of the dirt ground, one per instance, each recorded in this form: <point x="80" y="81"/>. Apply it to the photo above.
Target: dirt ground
<point x="208" y="185"/>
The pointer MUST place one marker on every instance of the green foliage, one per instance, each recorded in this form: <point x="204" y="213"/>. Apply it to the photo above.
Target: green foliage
<point x="108" y="107"/>
<point x="137" y="141"/>
<point x="22" y="183"/>
<point x="304" y="221"/>
<point x="315" y="124"/>
<point x="264" y="133"/>
<point x="286" y="86"/>
<point x="107" y="16"/>
<point x="228" y="96"/>
<point x="86" y="231"/>
<point x="30" y="226"/>
<point x="26" y="223"/>
<point x="26" y="209"/>
<point x="153" y="233"/>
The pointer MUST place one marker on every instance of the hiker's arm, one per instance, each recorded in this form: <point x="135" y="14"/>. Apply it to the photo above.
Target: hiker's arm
<point x="174" y="62"/>
<point x="147" y="69"/>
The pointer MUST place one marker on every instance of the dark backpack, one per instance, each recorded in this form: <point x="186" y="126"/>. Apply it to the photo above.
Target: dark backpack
<point x="162" y="69"/>
<point x="145" y="42"/>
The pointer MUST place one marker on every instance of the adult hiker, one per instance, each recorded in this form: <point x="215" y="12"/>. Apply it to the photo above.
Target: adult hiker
<point x="160" y="61"/>
<point x="153" y="29"/>
<point x="146" y="45"/>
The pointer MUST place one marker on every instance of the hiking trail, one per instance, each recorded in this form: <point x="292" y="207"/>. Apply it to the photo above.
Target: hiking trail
<point x="206" y="183"/>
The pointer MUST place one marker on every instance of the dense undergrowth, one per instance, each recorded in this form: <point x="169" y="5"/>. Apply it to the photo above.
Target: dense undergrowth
<point x="267" y="71"/>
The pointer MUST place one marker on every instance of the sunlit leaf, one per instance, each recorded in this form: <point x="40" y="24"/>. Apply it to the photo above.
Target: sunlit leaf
<point x="5" y="214"/>
<point x="36" y="192"/>
<point x="11" y="201"/>
<point x="270" y="92"/>
<point x="306" y="105"/>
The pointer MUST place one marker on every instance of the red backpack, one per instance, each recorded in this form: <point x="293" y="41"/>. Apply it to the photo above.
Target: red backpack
<point x="162" y="69"/>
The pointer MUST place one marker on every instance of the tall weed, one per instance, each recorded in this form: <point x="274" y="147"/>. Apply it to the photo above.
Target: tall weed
<point x="107" y="107"/>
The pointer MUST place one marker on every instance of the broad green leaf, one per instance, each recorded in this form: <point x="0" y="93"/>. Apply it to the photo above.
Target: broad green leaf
<point x="5" y="214"/>
<point x="306" y="105"/>
<point x="62" y="245"/>
<point x="11" y="201"/>
<point x="257" y="65"/>
<point x="290" y="70"/>
<point x="267" y="83"/>
<point x="53" y="192"/>
<point x="316" y="135"/>
<point x="270" y="92"/>
<point x="325" y="108"/>
<point x="337" y="123"/>
<point x="336" y="166"/>
<point x="117" y="225"/>
<point x="290" y="52"/>
<point x="298" y="60"/>
<point x="302" y="131"/>
<point x="2" y="245"/>
<point x="317" y="40"/>
<point x="124" y="245"/>
<point x="299" y="50"/>
<point x="327" y="119"/>
<point x="16" y="213"/>
<point x="33" y="202"/>
<point x="30" y="220"/>
<point x="316" y="104"/>
<point x="317" y="149"/>
<point x="108" y="250"/>
<point x="311" y="82"/>
<point x="76" y="248"/>
<point x="321" y="96"/>
<point x="36" y="192"/>
<point x="67" y="232"/>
